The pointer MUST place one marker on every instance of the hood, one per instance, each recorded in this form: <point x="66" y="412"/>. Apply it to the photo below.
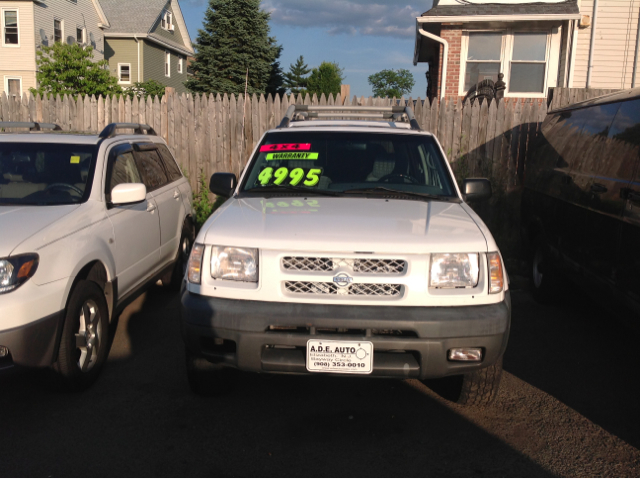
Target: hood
<point x="18" y="223"/>
<point x="345" y="225"/>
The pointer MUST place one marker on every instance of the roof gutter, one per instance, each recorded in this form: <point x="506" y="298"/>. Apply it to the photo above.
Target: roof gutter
<point x="499" y="18"/>
<point x="445" y="57"/>
<point x="592" y="45"/>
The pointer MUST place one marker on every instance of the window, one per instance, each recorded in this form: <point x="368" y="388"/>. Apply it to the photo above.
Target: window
<point x="10" y="36"/>
<point x="80" y="36"/>
<point x="167" y="21"/>
<point x="169" y="163"/>
<point x="521" y="56"/>
<point x="167" y="64"/>
<point x="124" y="171"/>
<point x="13" y="86"/>
<point x="57" y="31"/>
<point x="151" y="169"/>
<point x="124" y="72"/>
<point x="179" y="65"/>
<point x="484" y="57"/>
<point x="528" y="63"/>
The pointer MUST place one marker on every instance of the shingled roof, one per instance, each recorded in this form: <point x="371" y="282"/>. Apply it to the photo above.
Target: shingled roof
<point x="568" y="7"/>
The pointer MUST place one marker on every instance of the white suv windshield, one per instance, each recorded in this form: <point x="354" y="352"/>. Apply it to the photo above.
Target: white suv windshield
<point x="351" y="163"/>
<point x="44" y="173"/>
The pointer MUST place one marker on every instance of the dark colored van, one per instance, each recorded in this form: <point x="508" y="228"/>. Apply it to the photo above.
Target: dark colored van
<point x="581" y="203"/>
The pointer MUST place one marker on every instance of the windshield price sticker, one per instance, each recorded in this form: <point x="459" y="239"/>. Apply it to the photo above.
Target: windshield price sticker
<point x="292" y="155"/>
<point x="286" y="147"/>
<point x="346" y="357"/>
<point x="293" y="177"/>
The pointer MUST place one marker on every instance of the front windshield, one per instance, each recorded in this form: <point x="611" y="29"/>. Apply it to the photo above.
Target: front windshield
<point x="351" y="163"/>
<point x="44" y="173"/>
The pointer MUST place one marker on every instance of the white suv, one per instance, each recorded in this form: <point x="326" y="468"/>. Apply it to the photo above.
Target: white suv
<point x="86" y="221"/>
<point x="347" y="248"/>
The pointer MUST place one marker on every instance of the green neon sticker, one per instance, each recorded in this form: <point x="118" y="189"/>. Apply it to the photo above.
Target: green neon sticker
<point x="292" y="155"/>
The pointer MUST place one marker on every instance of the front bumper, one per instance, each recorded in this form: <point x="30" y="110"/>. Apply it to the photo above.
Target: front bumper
<point x="408" y="341"/>
<point x="33" y="344"/>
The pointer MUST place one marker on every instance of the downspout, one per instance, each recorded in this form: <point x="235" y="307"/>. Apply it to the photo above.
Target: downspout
<point x="445" y="58"/>
<point x="138" y="45"/>
<point x="635" y="57"/>
<point x="594" y="24"/>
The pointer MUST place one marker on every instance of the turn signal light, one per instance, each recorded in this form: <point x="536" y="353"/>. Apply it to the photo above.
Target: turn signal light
<point x="496" y="273"/>
<point x="465" y="354"/>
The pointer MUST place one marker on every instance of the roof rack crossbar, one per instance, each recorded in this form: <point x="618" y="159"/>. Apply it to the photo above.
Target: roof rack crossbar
<point x="138" y="129"/>
<point x="368" y="112"/>
<point x="32" y="125"/>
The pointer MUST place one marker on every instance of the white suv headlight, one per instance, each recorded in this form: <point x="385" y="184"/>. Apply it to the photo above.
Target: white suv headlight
<point x="454" y="270"/>
<point x="235" y="264"/>
<point x="17" y="270"/>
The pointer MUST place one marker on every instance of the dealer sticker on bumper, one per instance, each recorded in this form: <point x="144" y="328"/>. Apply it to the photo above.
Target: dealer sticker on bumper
<point x="347" y="357"/>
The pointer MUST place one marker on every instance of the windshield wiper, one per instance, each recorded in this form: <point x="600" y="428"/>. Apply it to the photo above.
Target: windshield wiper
<point x="278" y="189"/>
<point x="383" y="190"/>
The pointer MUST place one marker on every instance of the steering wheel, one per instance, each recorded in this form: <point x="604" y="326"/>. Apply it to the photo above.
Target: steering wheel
<point x="64" y="185"/>
<point x="401" y="176"/>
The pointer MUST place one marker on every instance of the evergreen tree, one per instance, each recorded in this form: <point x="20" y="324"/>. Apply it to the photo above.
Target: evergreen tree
<point x="276" y="77"/>
<point x="327" y="79"/>
<point x="295" y="79"/>
<point x="235" y="38"/>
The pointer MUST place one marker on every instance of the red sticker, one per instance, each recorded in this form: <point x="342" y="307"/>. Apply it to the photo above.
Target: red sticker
<point x="286" y="147"/>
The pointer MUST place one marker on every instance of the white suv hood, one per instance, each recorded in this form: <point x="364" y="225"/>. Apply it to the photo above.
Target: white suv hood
<point x="329" y="224"/>
<point x="18" y="223"/>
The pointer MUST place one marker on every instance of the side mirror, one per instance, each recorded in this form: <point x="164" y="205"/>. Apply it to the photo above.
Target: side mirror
<point x="223" y="184"/>
<point x="476" y="189"/>
<point x="127" y="193"/>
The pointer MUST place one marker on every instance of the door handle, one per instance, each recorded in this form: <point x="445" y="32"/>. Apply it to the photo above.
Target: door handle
<point x="151" y="207"/>
<point x="176" y="195"/>
<point x="598" y="188"/>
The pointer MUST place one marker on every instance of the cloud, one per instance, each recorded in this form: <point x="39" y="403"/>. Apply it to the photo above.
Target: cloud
<point x="347" y="17"/>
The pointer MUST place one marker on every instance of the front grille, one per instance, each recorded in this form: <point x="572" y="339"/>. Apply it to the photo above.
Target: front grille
<point x="358" y="265"/>
<point x="358" y="289"/>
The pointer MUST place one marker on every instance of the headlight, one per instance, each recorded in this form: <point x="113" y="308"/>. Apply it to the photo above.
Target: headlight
<point x="194" y="268"/>
<point x="456" y="270"/>
<point x="16" y="270"/>
<point x="496" y="273"/>
<point x="235" y="264"/>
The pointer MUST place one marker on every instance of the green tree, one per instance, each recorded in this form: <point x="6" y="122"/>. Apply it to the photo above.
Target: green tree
<point x="144" y="89"/>
<point x="276" y="76"/>
<point x="392" y="83"/>
<point x="69" y="69"/>
<point x="327" y="79"/>
<point x="234" y="39"/>
<point x="296" y="78"/>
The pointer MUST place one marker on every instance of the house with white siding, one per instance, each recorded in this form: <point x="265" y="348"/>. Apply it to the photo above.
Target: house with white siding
<point x="26" y="25"/>
<point x="535" y="45"/>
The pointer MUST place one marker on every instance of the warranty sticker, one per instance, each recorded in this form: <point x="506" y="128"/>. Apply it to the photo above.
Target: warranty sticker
<point x="293" y="155"/>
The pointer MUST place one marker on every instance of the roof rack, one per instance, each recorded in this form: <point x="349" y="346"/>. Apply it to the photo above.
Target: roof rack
<point x="33" y="126"/>
<point x="301" y="112"/>
<point x="138" y="129"/>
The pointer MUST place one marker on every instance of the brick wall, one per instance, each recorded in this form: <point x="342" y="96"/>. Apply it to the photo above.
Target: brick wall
<point x="453" y="35"/>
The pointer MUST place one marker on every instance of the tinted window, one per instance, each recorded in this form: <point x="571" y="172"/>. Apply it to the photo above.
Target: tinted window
<point x="344" y="161"/>
<point x="170" y="164"/>
<point x="151" y="169"/>
<point x="625" y="138"/>
<point x="123" y="170"/>
<point x="44" y="173"/>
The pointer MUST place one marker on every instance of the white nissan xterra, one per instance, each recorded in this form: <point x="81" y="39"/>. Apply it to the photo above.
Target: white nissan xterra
<point x="86" y="222"/>
<point x="346" y="247"/>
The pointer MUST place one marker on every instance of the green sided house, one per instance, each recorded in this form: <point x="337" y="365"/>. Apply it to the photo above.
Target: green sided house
<point x="148" y="40"/>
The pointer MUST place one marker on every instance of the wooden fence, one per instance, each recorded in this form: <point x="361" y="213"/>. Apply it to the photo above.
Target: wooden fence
<point x="217" y="133"/>
<point x="562" y="97"/>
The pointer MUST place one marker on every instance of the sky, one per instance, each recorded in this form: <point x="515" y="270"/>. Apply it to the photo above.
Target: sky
<point x="362" y="36"/>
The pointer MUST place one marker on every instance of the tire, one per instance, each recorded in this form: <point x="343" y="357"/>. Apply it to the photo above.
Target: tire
<point x="481" y="387"/>
<point x="174" y="282"/>
<point x="84" y="344"/>
<point x="546" y="285"/>
<point x="208" y="379"/>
